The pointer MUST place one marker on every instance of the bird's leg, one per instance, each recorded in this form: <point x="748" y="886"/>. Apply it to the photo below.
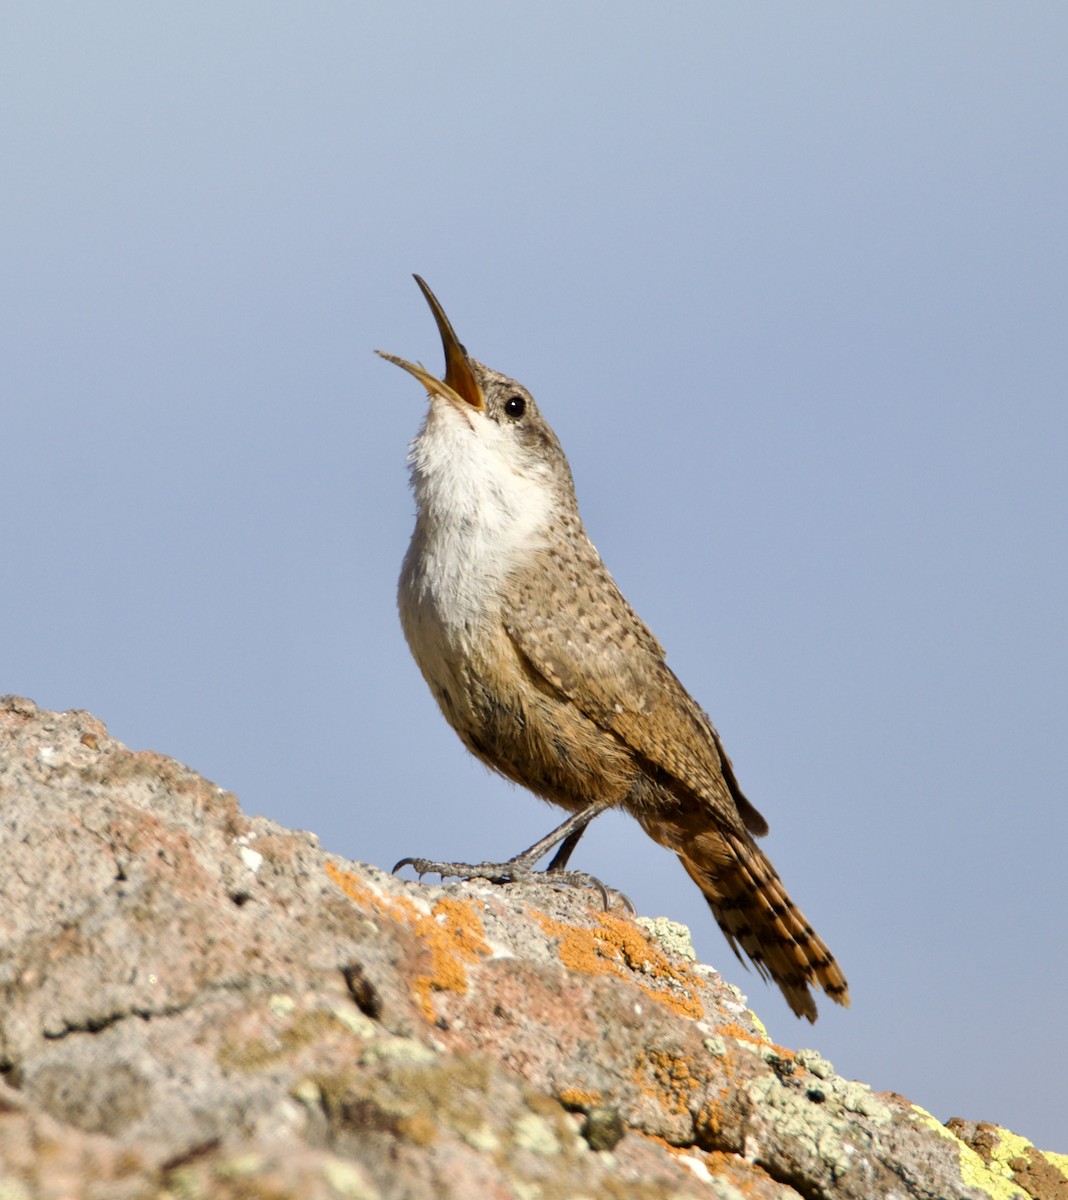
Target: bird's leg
<point x="565" y="835"/>
<point x="563" y="851"/>
<point x="521" y="866"/>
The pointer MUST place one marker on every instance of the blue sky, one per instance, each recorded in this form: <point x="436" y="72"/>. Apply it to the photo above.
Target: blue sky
<point x="791" y="284"/>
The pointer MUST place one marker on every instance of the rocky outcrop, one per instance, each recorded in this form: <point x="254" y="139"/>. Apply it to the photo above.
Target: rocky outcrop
<point x="194" y="1003"/>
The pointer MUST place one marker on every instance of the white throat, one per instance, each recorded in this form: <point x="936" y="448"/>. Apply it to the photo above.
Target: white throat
<point x="480" y="518"/>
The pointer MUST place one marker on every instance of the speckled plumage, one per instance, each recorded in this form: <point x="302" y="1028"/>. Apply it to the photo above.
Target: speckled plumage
<point x="550" y="677"/>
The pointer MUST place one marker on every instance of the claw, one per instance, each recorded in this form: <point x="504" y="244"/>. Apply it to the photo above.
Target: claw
<point x="516" y="871"/>
<point x="521" y="868"/>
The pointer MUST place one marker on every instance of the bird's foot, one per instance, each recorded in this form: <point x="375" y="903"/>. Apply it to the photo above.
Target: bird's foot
<point x="506" y="872"/>
<point x="518" y="870"/>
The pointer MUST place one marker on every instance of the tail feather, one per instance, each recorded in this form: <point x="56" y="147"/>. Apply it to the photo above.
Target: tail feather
<point x="757" y="916"/>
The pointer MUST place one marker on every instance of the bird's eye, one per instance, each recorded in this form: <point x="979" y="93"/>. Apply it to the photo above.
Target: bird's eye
<point x="515" y="407"/>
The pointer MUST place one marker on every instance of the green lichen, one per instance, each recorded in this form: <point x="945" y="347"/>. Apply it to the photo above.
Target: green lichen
<point x="823" y="1118"/>
<point x="182" y="1183"/>
<point x="483" y="1139"/>
<point x="815" y="1063"/>
<point x="351" y="1018"/>
<point x="347" y="1180"/>
<point x="799" y="1119"/>
<point x="240" y="1165"/>
<point x="670" y="935"/>
<point x="281" y="1005"/>
<point x="414" y="1097"/>
<point x="535" y="1134"/>
<point x="257" y="1053"/>
<point x="398" y="1050"/>
<point x="308" y="1093"/>
<point x="860" y="1099"/>
<point x="974" y="1172"/>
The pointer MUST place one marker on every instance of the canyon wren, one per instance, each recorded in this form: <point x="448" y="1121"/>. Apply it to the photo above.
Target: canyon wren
<point x="550" y="677"/>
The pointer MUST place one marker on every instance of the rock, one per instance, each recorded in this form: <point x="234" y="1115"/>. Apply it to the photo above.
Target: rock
<point x="196" y="1003"/>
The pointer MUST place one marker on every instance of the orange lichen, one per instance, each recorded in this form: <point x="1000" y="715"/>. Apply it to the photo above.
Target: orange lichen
<point x="671" y="1082"/>
<point x="452" y="932"/>
<point x="657" y="1140"/>
<point x="708" y="1121"/>
<point x="455" y="937"/>
<point x="680" y="1083"/>
<point x="393" y="907"/>
<point x="618" y="947"/>
<point x="745" y="1035"/>
<point x="746" y="1178"/>
<point x="418" y="1128"/>
<point x="578" y="1098"/>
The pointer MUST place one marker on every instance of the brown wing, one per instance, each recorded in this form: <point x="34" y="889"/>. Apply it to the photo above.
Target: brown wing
<point x="595" y="650"/>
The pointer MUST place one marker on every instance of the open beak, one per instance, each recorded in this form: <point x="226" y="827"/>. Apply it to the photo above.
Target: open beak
<point x="459" y="384"/>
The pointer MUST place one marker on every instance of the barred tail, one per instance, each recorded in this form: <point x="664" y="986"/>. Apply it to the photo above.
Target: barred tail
<point x="752" y="908"/>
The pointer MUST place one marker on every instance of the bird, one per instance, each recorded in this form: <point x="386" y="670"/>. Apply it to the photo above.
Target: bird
<point x="550" y="677"/>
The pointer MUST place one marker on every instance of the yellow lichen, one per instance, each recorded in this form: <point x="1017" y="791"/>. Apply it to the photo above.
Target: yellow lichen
<point x="1060" y="1161"/>
<point x="1009" y="1146"/>
<point x="974" y="1172"/>
<point x="762" y="1029"/>
<point x="1008" y="1154"/>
